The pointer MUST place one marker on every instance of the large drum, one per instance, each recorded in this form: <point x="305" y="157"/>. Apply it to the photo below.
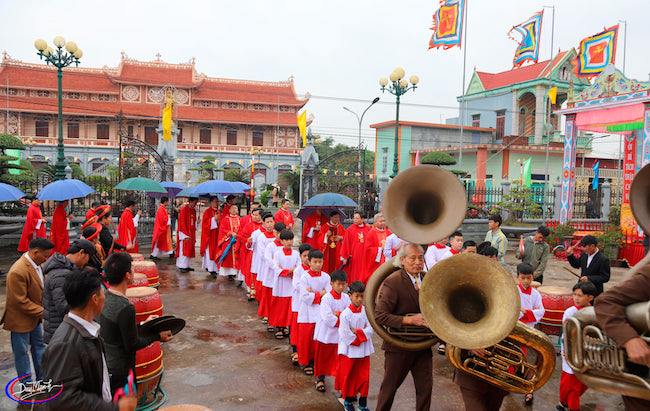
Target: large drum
<point x="137" y="257"/>
<point x="149" y="269"/>
<point x="146" y="301"/>
<point x="139" y="280"/>
<point x="148" y="360"/>
<point x="556" y="300"/>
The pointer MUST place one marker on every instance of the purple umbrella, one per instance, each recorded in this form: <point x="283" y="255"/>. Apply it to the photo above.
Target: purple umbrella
<point x="172" y="190"/>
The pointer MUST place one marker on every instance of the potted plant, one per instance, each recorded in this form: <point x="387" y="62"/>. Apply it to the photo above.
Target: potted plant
<point x="561" y="234"/>
<point x="611" y="240"/>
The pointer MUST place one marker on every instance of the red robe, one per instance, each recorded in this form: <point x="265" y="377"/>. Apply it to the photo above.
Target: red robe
<point x="30" y="231"/>
<point x="246" y="255"/>
<point x="59" y="230"/>
<point x="354" y="245"/>
<point x="90" y="213"/>
<point x="313" y="221"/>
<point x="187" y="226"/>
<point x="331" y="254"/>
<point x="240" y="245"/>
<point x="127" y="232"/>
<point x="227" y="225"/>
<point x="374" y="244"/>
<point x="209" y="236"/>
<point x="283" y="216"/>
<point x="161" y="230"/>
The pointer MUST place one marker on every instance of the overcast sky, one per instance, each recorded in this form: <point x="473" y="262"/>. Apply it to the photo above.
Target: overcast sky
<point x="336" y="50"/>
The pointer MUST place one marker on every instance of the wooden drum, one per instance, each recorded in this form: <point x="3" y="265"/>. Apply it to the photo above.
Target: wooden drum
<point x="137" y="257"/>
<point x="148" y="360"/>
<point x="556" y="300"/>
<point x="149" y="269"/>
<point x="139" y="280"/>
<point x="146" y="301"/>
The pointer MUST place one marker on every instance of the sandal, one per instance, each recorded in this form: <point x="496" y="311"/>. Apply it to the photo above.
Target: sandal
<point x="279" y="335"/>
<point x="286" y="332"/>
<point x="308" y="370"/>
<point x="441" y="349"/>
<point x="320" y="386"/>
<point x="529" y="399"/>
<point x="270" y="328"/>
<point x="265" y="320"/>
<point x="294" y="358"/>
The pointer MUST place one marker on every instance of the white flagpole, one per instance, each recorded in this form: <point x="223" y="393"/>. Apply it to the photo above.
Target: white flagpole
<point x="548" y="112"/>
<point x="462" y="101"/>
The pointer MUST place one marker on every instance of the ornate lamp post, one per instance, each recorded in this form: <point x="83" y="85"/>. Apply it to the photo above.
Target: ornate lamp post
<point x="253" y="152"/>
<point x="59" y="58"/>
<point x="362" y="178"/>
<point x="398" y="86"/>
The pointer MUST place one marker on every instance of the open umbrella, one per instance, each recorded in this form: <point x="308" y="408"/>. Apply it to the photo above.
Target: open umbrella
<point x="10" y="193"/>
<point x="171" y="187"/>
<point x="331" y="200"/>
<point x="244" y="187"/>
<point x="141" y="184"/>
<point x="306" y="212"/>
<point x="216" y="186"/>
<point x="187" y="193"/>
<point x="64" y="190"/>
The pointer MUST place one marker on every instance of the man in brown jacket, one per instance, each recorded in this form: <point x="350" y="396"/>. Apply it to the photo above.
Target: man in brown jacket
<point x="23" y="312"/>
<point x="399" y="296"/>
<point x="610" y="312"/>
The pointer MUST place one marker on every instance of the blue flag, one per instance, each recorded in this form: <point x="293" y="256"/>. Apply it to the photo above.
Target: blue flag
<point x="594" y="182"/>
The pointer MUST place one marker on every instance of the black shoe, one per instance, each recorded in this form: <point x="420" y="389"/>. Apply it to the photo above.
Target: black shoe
<point x="213" y="274"/>
<point x="190" y="269"/>
<point x="231" y="278"/>
<point x="239" y="283"/>
<point x="154" y="258"/>
<point x="185" y="270"/>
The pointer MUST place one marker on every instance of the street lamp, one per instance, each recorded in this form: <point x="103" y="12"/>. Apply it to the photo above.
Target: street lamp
<point x="398" y="87"/>
<point x="59" y="58"/>
<point x="30" y="143"/>
<point x="362" y="173"/>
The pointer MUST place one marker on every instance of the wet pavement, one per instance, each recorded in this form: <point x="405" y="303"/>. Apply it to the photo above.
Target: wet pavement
<point x="225" y="359"/>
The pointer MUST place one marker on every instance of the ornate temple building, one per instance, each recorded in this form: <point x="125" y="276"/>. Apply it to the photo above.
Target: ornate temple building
<point x="218" y="117"/>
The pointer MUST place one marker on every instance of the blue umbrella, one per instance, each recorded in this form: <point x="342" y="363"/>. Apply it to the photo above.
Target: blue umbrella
<point x="65" y="190"/>
<point x="306" y="212"/>
<point x="186" y="192"/>
<point x="10" y="193"/>
<point x="243" y="186"/>
<point x="216" y="186"/>
<point x="331" y="200"/>
<point x="172" y="190"/>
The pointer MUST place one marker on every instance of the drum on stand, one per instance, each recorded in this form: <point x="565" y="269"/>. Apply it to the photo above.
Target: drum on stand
<point x="185" y="407"/>
<point x="139" y="280"/>
<point x="149" y="269"/>
<point x="146" y="301"/>
<point x="137" y="257"/>
<point x="556" y="300"/>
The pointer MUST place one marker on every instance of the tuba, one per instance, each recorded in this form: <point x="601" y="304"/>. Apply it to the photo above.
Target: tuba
<point x="467" y="300"/>
<point x="594" y="357"/>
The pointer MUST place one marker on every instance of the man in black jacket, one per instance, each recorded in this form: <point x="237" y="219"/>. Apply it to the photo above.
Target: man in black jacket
<point x="119" y="329"/>
<point x="593" y="263"/>
<point x="56" y="268"/>
<point x="75" y="356"/>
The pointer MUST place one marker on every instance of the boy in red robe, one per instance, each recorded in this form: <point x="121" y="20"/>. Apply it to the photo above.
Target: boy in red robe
<point x="329" y="242"/>
<point x="91" y="210"/>
<point x="161" y="242"/>
<point x="127" y="229"/>
<point x="59" y="230"/>
<point x="209" y="236"/>
<point x="228" y="229"/>
<point x="311" y="228"/>
<point x="374" y="252"/>
<point x="353" y="250"/>
<point x="34" y="226"/>
<point x="186" y="235"/>
<point x="284" y="216"/>
<point x="244" y="246"/>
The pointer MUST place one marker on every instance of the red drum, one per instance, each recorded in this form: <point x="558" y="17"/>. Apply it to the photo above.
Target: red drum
<point x="535" y="284"/>
<point x="149" y="269"/>
<point x="137" y="257"/>
<point x="555" y="300"/>
<point x="146" y="385"/>
<point x="146" y="301"/>
<point x="139" y="280"/>
<point x="148" y="360"/>
<point x="185" y="407"/>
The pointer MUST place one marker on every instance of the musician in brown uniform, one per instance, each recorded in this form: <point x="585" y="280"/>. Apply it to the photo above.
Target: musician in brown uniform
<point x="399" y="296"/>
<point x="610" y="312"/>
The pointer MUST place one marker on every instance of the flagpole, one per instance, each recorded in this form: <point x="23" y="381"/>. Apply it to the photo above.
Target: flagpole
<point x="548" y="111"/>
<point x="624" y="44"/>
<point x="462" y="101"/>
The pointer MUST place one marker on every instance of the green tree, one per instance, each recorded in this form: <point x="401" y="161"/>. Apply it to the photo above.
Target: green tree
<point x="292" y="180"/>
<point x="206" y="168"/>
<point x="520" y="203"/>
<point x="238" y="174"/>
<point x="26" y="176"/>
<point x="438" y="158"/>
<point x="77" y="172"/>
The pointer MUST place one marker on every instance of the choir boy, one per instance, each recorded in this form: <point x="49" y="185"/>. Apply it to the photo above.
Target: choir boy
<point x="455" y="245"/>
<point x="571" y="388"/>
<point x="259" y="241"/>
<point x="355" y="347"/>
<point x="266" y="273"/>
<point x="246" y="249"/>
<point x="314" y="284"/>
<point x="392" y="246"/>
<point x="285" y="261"/>
<point x="283" y="215"/>
<point x="435" y="252"/>
<point x="326" y="333"/>
<point x="303" y="250"/>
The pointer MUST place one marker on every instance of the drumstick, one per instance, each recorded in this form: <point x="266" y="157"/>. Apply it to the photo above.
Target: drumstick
<point x="574" y="273"/>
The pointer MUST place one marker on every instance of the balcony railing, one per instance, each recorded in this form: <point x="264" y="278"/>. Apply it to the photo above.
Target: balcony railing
<point x="557" y="137"/>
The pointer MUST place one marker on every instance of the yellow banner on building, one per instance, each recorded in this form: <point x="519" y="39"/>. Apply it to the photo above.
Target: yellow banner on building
<point x="167" y="123"/>
<point x="302" y="126"/>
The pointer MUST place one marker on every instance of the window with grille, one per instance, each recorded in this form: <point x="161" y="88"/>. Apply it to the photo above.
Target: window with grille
<point x="205" y="136"/>
<point x="150" y="136"/>
<point x="179" y="139"/>
<point x="501" y="123"/>
<point x="258" y="138"/>
<point x="129" y="131"/>
<point x="42" y="128"/>
<point x="102" y="131"/>
<point x="43" y="93"/>
<point x="104" y="97"/>
<point x="231" y="137"/>
<point x="73" y="130"/>
<point x="384" y="163"/>
<point x="476" y="120"/>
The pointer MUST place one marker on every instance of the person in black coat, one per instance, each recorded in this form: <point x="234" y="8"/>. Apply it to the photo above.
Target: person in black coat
<point x="106" y="239"/>
<point x="593" y="263"/>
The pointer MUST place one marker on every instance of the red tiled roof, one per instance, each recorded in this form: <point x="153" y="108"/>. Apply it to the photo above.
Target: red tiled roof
<point x="491" y="81"/>
<point x="182" y="76"/>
